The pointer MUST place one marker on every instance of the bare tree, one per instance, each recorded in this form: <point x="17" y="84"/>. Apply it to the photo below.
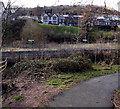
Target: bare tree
<point x="7" y="14"/>
<point x="86" y="23"/>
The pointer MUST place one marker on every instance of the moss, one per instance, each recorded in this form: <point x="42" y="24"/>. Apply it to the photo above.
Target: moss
<point x="19" y="97"/>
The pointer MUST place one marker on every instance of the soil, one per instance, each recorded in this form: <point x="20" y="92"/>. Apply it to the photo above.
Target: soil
<point x="116" y="99"/>
<point x="36" y="93"/>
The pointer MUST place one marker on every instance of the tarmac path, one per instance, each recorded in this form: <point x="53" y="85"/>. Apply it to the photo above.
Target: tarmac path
<point x="96" y="92"/>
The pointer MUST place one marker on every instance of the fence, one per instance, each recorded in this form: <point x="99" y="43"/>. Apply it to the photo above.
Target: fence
<point x="3" y="65"/>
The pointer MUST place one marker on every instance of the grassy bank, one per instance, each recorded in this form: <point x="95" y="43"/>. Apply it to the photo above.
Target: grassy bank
<point x="62" y="29"/>
<point x="64" y="81"/>
<point x="74" y="31"/>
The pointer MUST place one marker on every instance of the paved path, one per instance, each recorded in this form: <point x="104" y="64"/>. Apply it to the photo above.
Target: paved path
<point x="96" y="92"/>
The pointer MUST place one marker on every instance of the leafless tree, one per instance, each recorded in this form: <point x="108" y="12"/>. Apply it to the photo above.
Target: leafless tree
<point x="7" y="15"/>
<point x="86" y="23"/>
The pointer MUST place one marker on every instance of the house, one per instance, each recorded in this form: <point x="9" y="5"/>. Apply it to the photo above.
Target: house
<point x="50" y="19"/>
<point x="100" y="22"/>
<point x="107" y="22"/>
<point x="57" y="19"/>
<point x="2" y="8"/>
<point x="73" y="20"/>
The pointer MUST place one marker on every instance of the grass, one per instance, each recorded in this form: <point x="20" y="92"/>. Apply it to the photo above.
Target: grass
<point x="19" y="97"/>
<point x="62" y="29"/>
<point x="64" y="81"/>
<point x="74" y="30"/>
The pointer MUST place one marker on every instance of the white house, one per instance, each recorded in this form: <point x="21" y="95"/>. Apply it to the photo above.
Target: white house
<point x="50" y="19"/>
<point x="54" y="19"/>
<point x="1" y="9"/>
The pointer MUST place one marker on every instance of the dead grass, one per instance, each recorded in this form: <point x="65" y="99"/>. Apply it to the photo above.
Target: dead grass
<point x="64" y="46"/>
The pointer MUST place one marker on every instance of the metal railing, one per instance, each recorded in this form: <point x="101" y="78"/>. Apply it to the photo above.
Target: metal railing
<point x="3" y="65"/>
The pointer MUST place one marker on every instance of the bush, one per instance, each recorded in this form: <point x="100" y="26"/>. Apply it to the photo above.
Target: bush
<point x="22" y="66"/>
<point x="65" y="65"/>
<point x="45" y="68"/>
<point x="72" y="64"/>
<point x="83" y="62"/>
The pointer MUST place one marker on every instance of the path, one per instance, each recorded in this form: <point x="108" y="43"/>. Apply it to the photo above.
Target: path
<point x="96" y="92"/>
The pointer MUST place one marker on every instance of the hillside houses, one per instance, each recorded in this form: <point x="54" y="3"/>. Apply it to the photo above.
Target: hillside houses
<point x="110" y="21"/>
<point x="107" y="22"/>
<point x="56" y="19"/>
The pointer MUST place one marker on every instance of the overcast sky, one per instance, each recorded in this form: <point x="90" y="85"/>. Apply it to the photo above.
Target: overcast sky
<point x="34" y="3"/>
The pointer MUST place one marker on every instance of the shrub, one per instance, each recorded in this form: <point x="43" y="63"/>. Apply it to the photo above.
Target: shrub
<point x="22" y="66"/>
<point x="65" y="65"/>
<point x="83" y="62"/>
<point x="72" y="64"/>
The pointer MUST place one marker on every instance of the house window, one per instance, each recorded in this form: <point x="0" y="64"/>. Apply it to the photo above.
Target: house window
<point x="54" y="18"/>
<point x="45" y="17"/>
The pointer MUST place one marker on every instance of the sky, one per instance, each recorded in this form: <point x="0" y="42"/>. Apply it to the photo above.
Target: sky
<point x="34" y="3"/>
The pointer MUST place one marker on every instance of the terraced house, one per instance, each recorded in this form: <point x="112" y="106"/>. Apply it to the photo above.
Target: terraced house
<point x="59" y="19"/>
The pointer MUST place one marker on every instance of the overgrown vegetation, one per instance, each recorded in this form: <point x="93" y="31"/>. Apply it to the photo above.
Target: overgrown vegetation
<point x="59" y="34"/>
<point x="43" y="33"/>
<point x="77" y="62"/>
<point x="13" y="30"/>
<point x="59" y="73"/>
<point x="40" y="68"/>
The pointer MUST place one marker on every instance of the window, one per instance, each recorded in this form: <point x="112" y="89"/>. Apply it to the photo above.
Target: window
<point x="45" y="17"/>
<point x="54" y="18"/>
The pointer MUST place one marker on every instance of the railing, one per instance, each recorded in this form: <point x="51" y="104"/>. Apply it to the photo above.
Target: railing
<point x="3" y="65"/>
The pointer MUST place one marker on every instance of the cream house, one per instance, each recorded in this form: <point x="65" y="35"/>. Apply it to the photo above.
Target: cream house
<point x="50" y="19"/>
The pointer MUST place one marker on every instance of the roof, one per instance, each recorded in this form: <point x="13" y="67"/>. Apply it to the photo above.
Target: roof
<point x="100" y="17"/>
<point x="65" y="15"/>
<point x="77" y="16"/>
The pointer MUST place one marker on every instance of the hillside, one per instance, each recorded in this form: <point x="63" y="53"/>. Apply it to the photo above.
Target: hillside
<point x="80" y="9"/>
<point x="76" y="9"/>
